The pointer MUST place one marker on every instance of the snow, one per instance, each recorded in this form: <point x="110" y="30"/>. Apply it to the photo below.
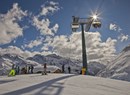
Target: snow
<point x="61" y="84"/>
<point x="119" y="68"/>
<point x="39" y="68"/>
<point x="53" y="60"/>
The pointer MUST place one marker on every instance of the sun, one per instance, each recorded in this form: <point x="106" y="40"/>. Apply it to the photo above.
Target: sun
<point x="94" y="17"/>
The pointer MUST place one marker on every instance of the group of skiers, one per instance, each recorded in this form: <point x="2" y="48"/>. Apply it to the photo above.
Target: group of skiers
<point x="63" y="69"/>
<point x="28" y="69"/>
<point x="15" y="70"/>
<point x="44" y="72"/>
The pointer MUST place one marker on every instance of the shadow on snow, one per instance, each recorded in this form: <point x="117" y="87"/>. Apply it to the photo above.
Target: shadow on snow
<point x="44" y="87"/>
<point x="6" y="81"/>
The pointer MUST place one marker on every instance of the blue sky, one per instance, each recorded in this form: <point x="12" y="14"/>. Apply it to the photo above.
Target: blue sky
<point x="44" y="25"/>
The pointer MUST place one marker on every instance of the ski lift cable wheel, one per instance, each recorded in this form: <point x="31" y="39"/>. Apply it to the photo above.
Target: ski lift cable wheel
<point x="97" y="23"/>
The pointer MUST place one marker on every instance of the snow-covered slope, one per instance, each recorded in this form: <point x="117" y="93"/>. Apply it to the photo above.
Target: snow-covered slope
<point x="58" y="61"/>
<point x="62" y="84"/>
<point x="76" y="65"/>
<point x="15" y="59"/>
<point x="7" y="60"/>
<point x="5" y="65"/>
<point x="94" y="67"/>
<point x="119" y="68"/>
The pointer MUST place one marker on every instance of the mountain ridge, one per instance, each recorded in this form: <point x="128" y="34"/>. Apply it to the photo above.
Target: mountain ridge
<point x="119" y="68"/>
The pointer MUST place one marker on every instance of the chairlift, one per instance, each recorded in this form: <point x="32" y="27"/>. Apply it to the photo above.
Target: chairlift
<point x="74" y="26"/>
<point x="75" y="19"/>
<point x="96" y="24"/>
<point x="75" y="23"/>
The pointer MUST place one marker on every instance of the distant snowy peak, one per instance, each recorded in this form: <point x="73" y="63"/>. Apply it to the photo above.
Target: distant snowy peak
<point x="38" y="55"/>
<point x="38" y="58"/>
<point x="119" y="68"/>
<point x="54" y="56"/>
<point x="15" y="59"/>
<point x="127" y="48"/>
<point x="12" y="56"/>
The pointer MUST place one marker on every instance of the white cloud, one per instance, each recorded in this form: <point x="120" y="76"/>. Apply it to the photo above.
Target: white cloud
<point x="49" y="9"/>
<point x="9" y="27"/>
<point x="113" y="27"/>
<point x="48" y="40"/>
<point x="45" y="47"/>
<point x="17" y="51"/>
<point x="55" y="28"/>
<point x="24" y="53"/>
<point x="34" y="43"/>
<point x="42" y="23"/>
<point x="72" y="46"/>
<point x="43" y="26"/>
<point x="46" y="52"/>
<point x="123" y="37"/>
<point x="53" y="3"/>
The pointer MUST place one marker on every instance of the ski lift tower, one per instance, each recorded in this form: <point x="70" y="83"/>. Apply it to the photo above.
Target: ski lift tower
<point x="87" y="23"/>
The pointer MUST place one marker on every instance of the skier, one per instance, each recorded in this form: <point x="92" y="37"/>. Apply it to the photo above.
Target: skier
<point x="44" y="69"/>
<point x="12" y="71"/>
<point x="17" y="69"/>
<point x="29" y="68"/>
<point x="63" y="67"/>
<point x="69" y="69"/>
<point x="32" y="69"/>
<point x="24" y="70"/>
